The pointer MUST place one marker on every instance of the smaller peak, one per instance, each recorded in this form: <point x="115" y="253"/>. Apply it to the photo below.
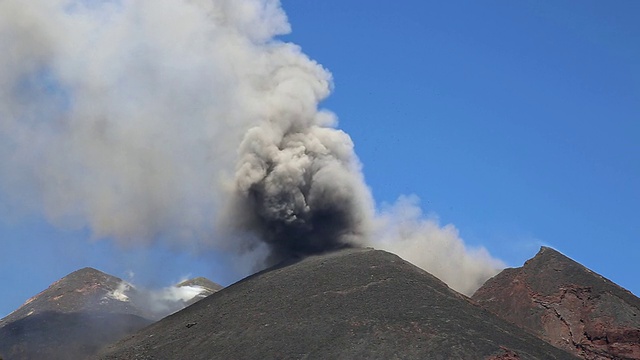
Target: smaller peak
<point x="548" y="255"/>
<point x="546" y="252"/>
<point x="90" y="274"/>
<point x="202" y="282"/>
<point x="547" y="249"/>
<point x="88" y="270"/>
<point x="194" y="280"/>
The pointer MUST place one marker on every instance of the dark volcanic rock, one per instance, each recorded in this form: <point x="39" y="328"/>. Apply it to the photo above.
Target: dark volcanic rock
<point x="71" y="319"/>
<point x="82" y="312"/>
<point x="63" y="336"/>
<point x="352" y="304"/>
<point x="84" y="290"/>
<point x="208" y="287"/>
<point x="202" y="282"/>
<point x="567" y="305"/>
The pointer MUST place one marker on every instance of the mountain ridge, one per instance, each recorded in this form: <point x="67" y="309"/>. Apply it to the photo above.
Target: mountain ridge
<point x="353" y="303"/>
<point x="82" y="312"/>
<point x="568" y="305"/>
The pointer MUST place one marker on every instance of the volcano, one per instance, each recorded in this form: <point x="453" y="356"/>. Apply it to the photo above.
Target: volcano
<point x="77" y="315"/>
<point x="567" y="305"/>
<point x="349" y="304"/>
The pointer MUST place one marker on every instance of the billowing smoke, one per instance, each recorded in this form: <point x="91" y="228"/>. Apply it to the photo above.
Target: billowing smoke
<point x="403" y="230"/>
<point x="301" y="189"/>
<point x="186" y="121"/>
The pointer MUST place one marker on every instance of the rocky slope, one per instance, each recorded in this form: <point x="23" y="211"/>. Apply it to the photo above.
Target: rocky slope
<point x="72" y="318"/>
<point x="80" y="313"/>
<point x="352" y="304"/>
<point x="567" y="305"/>
<point x="207" y="287"/>
<point x="85" y="290"/>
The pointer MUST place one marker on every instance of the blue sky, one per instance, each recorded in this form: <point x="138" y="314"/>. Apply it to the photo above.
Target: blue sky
<point x="518" y="122"/>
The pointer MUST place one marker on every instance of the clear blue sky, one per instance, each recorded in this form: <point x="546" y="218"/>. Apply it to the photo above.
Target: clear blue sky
<point x="516" y="121"/>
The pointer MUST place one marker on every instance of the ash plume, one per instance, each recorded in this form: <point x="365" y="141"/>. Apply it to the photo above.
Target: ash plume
<point x="179" y="121"/>
<point x="301" y="190"/>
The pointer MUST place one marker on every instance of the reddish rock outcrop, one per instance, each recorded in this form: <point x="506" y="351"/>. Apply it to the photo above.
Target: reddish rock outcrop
<point x="505" y="354"/>
<point x="567" y="305"/>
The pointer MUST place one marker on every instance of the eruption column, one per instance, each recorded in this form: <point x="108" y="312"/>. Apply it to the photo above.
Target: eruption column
<point x="189" y="122"/>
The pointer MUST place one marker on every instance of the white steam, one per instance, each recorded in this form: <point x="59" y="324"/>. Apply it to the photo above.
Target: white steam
<point x="403" y="230"/>
<point x="157" y="303"/>
<point x="188" y="121"/>
<point x="120" y="292"/>
<point x="170" y="299"/>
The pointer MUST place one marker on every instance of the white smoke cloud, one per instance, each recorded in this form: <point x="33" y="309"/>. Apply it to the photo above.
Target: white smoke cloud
<point x="160" y="302"/>
<point x="188" y="121"/>
<point x="125" y="116"/>
<point x="403" y="229"/>
<point x="120" y="292"/>
<point x="165" y="301"/>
